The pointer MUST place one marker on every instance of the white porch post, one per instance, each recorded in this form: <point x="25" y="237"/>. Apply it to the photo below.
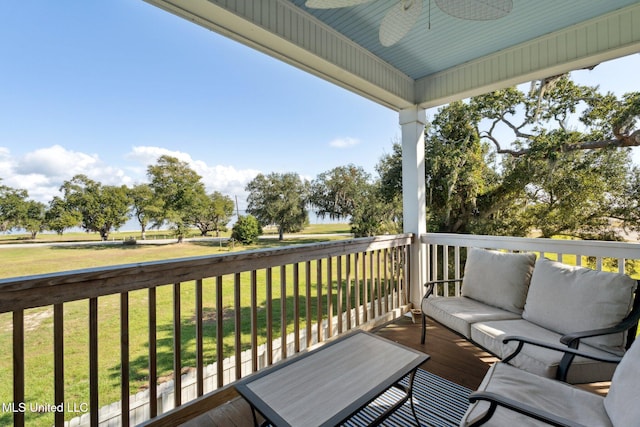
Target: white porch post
<point x="412" y="122"/>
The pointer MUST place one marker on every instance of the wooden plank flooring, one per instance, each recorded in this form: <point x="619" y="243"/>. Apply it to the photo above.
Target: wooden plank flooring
<point x="452" y="357"/>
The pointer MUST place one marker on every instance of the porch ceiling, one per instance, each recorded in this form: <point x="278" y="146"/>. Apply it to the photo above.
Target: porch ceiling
<point x="454" y="59"/>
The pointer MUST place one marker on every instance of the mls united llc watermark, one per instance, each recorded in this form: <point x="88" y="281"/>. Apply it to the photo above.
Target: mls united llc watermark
<point x="23" y="407"/>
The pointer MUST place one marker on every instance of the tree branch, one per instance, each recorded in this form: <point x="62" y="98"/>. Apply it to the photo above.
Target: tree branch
<point x="632" y="140"/>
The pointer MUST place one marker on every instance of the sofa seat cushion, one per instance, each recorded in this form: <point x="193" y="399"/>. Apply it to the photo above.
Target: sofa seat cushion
<point x="540" y="361"/>
<point x="497" y="278"/>
<point x="458" y="313"/>
<point x="570" y="299"/>
<point x="566" y="401"/>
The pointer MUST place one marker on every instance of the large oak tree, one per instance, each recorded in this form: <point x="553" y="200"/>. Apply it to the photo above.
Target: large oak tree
<point x="179" y="188"/>
<point x="554" y="159"/>
<point x="279" y="199"/>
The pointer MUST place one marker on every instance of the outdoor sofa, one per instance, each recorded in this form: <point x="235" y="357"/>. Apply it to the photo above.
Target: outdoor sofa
<point x="506" y="295"/>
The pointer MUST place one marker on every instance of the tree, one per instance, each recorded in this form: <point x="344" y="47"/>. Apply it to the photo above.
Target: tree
<point x="58" y="217"/>
<point x="337" y="192"/>
<point x="629" y="212"/>
<point x="376" y="215"/>
<point x="34" y="220"/>
<point x="246" y="229"/>
<point x="509" y="162"/>
<point x="180" y="189"/>
<point x="279" y="199"/>
<point x="214" y="212"/>
<point x="145" y="206"/>
<point x="16" y="211"/>
<point x="12" y="207"/>
<point x="102" y="208"/>
<point x="577" y="194"/>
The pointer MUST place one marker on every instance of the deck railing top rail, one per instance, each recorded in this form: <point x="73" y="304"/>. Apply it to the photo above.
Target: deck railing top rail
<point x="596" y="248"/>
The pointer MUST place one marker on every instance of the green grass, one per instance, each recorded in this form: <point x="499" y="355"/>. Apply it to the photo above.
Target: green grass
<point x="39" y="323"/>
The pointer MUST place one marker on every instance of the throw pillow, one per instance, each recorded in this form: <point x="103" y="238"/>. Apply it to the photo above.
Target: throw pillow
<point x="497" y="278"/>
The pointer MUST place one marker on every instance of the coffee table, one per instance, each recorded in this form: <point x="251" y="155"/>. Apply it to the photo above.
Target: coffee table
<point x="326" y="386"/>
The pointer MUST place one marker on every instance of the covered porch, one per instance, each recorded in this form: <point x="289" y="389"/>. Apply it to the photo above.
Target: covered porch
<point x="283" y="301"/>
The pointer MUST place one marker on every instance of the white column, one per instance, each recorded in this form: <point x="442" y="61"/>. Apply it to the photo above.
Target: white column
<point x="412" y="122"/>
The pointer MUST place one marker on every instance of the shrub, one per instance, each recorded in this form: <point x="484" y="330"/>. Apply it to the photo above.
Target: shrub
<point x="246" y="230"/>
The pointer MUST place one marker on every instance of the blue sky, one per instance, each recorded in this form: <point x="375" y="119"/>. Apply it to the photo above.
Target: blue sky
<point x="105" y="87"/>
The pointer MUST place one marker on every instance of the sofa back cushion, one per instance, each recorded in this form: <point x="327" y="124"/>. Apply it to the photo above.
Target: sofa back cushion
<point x="497" y="278"/>
<point x="621" y="401"/>
<point x="569" y="299"/>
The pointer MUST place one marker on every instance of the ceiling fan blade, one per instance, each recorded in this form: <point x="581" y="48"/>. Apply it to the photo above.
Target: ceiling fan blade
<point x="333" y="4"/>
<point x="399" y="20"/>
<point x="476" y="10"/>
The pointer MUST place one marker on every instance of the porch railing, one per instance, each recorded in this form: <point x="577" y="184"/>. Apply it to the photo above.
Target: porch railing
<point x="446" y="254"/>
<point x="197" y="312"/>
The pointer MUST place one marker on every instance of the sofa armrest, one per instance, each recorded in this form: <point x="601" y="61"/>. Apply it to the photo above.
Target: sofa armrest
<point x="572" y="340"/>
<point x="496" y="400"/>
<point x="561" y="348"/>
<point x="567" y="359"/>
<point x="431" y="285"/>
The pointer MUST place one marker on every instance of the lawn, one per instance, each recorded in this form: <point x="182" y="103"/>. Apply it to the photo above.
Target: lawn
<point x="20" y="261"/>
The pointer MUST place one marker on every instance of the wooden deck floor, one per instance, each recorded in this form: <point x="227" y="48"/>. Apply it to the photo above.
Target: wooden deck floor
<point x="452" y="357"/>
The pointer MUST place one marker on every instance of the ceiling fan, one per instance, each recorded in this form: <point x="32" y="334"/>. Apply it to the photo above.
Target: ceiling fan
<point x="405" y="13"/>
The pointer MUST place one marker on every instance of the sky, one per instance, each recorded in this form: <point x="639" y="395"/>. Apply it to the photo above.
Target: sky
<point x="103" y="88"/>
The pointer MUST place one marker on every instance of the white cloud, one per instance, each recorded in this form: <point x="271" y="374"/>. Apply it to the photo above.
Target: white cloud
<point x="148" y="155"/>
<point x="43" y="171"/>
<point x="226" y="179"/>
<point x="344" y="142"/>
<point x="55" y="162"/>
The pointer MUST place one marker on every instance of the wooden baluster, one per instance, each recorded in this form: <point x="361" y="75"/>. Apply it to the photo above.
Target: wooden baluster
<point x="356" y="286"/>
<point x="237" y="310"/>
<point x="269" y="316"/>
<point x="457" y="269"/>
<point x="254" y="320"/>
<point x="153" y="355"/>
<point x="329" y="298"/>
<point x="219" y="333"/>
<point x="365" y="289"/>
<point x="386" y="280"/>
<point x="296" y="306"/>
<point x="339" y="293"/>
<point x="283" y="311"/>
<point x="58" y="360"/>
<point x="18" y="367"/>
<point x="348" y="289"/>
<point x="307" y="302"/>
<point x="177" y="347"/>
<point x="378" y="282"/>
<point x="372" y="287"/>
<point x="319" y="331"/>
<point x="199" y="340"/>
<point x="93" y="361"/>
<point x="124" y="359"/>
